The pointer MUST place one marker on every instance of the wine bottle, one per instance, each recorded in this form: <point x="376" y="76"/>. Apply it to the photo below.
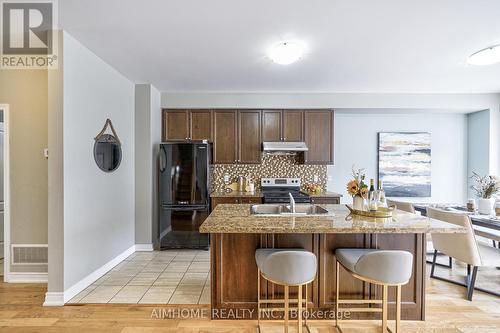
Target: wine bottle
<point x="372" y="196"/>
<point x="381" y="195"/>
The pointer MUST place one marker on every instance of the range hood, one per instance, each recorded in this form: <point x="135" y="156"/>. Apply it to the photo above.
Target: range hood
<point x="279" y="147"/>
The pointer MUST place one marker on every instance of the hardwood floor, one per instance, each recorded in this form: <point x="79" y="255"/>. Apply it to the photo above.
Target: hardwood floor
<point x="21" y="311"/>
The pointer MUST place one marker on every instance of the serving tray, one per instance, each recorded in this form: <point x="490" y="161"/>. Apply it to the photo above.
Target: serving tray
<point x="382" y="212"/>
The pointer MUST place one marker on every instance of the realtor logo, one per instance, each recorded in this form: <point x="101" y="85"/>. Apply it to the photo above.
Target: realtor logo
<point x="27" y="34"/>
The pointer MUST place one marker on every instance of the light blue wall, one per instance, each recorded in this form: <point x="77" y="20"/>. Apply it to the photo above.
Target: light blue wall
<point x="478" y="145"/>
<point x="356" y="143"/>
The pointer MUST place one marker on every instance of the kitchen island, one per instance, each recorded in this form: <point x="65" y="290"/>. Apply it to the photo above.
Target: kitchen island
<point x="235" y="234"/>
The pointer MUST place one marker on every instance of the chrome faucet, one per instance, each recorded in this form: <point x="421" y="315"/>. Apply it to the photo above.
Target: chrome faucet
<point x="292" y="202"/>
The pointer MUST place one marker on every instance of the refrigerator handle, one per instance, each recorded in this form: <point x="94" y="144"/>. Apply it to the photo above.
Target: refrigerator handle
<point x="162" y="160"/>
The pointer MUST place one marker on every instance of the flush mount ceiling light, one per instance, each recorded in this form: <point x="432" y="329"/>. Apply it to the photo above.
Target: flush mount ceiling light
<point x="487" y="56"/>
<point x="285" y="53"/>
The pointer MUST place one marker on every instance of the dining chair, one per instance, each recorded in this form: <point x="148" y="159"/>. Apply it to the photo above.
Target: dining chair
<point x="408" y="207"/>
<point x="401" y="205"/>
<point x="463" y="247"/>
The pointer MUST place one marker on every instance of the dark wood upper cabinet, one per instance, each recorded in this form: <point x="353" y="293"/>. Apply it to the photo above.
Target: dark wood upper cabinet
<point x="293" y="125"/>
<point x="201" y="125"/>
<point x="175" y="125"/>
<point x="271" y="125"/>
<point x="237" y="135"/>
<point x="318" y="134"/>
<point x="225" y="136"/>
<point x="249" y="140"/>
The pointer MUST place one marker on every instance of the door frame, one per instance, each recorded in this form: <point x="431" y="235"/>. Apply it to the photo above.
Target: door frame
<point x="6" y="192"/>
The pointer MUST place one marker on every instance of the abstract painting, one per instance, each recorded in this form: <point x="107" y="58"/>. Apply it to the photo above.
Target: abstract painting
<point x="404" y="164"/>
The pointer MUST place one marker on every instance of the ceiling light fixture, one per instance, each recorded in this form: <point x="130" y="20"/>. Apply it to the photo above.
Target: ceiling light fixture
<point x="285" y="53"/>
<point x="487" y="56"/>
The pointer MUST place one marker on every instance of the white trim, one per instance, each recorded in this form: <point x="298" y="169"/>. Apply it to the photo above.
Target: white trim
<point x="144" y="247"/>
<point x="54" y="299"/>
<point x="6" y="191"/>
<point x="26" y="277"/>
<point x="92" y="277"/>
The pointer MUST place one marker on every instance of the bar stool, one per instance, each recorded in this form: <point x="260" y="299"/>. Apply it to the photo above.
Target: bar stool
<point x="381" y="267"/>
<point x="289" y="268"/>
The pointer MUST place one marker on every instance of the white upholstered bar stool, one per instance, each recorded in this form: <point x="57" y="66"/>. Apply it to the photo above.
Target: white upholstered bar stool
<point x="289" y="268"/>
<point x="381" y="267"/>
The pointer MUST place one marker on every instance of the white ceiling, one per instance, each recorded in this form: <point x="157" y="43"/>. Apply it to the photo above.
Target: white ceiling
<point x="352" y="45"/>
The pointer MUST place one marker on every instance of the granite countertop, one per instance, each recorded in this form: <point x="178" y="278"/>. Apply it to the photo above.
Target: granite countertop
<point x="236" y="218"/>
<point x="255" y="194"/>
<point x="325" y="195"/>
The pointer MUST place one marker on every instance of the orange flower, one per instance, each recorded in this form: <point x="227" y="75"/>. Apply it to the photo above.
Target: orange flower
<point x="364" y="191"/>
<point x="352" y="187"/>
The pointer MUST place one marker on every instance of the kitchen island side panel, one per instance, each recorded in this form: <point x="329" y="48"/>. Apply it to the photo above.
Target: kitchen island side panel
<point x="234" y="271"/>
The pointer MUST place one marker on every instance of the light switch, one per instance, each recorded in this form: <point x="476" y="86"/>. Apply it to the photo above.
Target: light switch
<point x="316" y="178"/>
<point x="46" y="152"/>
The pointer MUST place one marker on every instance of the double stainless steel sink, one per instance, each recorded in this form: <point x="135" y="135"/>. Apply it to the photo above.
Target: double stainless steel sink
<point x="286" y="210"/>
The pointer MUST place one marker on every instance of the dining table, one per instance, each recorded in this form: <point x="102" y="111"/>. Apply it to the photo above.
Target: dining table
<point x="487" y="226"/>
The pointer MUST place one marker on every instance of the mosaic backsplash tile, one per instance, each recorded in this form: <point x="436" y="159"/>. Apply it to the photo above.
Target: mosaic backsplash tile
<point x="272" y="166"/>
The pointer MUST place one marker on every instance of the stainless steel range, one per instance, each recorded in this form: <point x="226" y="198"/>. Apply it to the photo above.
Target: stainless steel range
<point x="276" y="190"/>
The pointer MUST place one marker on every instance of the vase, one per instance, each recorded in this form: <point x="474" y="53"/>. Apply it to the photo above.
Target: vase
<point x="485" y="206"/>
<point x="357" y="202"/>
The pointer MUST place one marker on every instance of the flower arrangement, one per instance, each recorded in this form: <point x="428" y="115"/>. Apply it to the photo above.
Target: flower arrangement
<point x="486" y="186"/>
<point x="357" y="185"/>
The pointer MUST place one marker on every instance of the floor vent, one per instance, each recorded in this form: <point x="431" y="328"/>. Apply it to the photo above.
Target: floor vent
<point x="29" y="254"/>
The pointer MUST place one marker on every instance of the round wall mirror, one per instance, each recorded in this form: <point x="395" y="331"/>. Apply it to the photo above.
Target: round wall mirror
<point x="107" y="153"/>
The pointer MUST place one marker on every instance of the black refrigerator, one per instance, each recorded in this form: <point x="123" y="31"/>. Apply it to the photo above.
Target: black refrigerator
<point x="184" y="199"/>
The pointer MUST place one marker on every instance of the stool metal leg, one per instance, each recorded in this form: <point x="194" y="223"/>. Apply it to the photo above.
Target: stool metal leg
<point x="307" y="313"/>
<point x="258" y="299"/>
<point x="398" y="309"/>
<point x="384" y="309"/>
<point x="286" y="309"/>
<point x="299" y="295"/>
<point x="337" y="293"/>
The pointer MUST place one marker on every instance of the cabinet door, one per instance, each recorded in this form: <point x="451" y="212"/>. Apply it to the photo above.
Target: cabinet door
<point x="250" y="200"/>
<point x="318" y="131"/>
<point x="175" y="125"/>
<point x="271" y="126"/>
<point x="201" y="125"/>
<point x="293" y="125"/>
<point x="224" y="200"/>
<point x="249" y="142"/>
<point x="225" y="136"/>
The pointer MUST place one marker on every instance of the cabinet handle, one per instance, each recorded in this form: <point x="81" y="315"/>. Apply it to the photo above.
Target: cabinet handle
<point x="284" y="139"/>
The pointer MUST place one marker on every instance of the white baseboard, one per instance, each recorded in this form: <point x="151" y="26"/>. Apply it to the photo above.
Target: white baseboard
<point x="54" y="299"/>
<point x="89" y="279"/>
<point x="144" y="247"/>
<point x="26" y="277"/>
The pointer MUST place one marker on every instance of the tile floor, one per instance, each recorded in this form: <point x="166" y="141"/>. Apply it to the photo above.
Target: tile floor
<point x="159" y="277"/>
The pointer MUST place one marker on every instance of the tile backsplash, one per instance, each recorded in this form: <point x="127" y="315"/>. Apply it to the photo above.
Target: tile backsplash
<point x="271" y="166"/>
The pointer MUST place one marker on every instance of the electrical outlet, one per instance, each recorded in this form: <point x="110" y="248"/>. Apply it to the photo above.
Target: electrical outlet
<point x="316" y="178"/>
<point x="226" y="178"/>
